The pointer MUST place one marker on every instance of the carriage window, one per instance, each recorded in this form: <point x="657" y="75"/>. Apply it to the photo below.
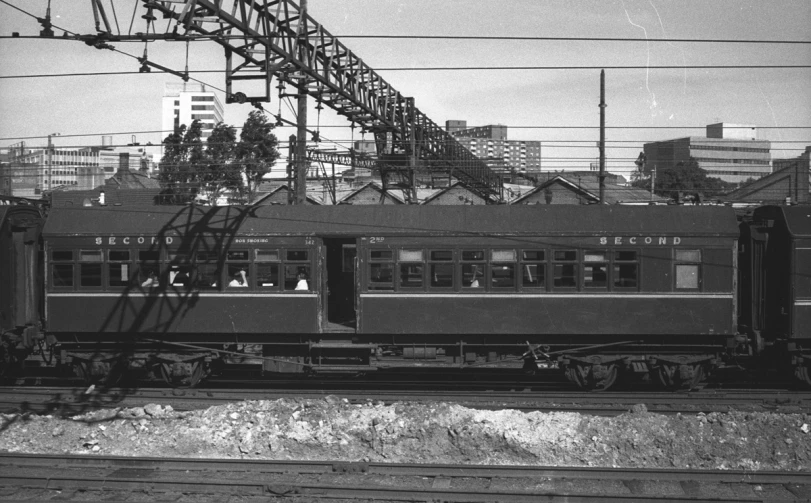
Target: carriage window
<point x="532" y="269"/>
<point x="411" y="275"/>
<point x="380" y="254"/>
<point x="297" y="277"/>
<point x="626" y="269"/>
<point x="267" y="275"/>
<point x="266" y="255"/>
<point x="237" y="255"/>
<point x="238" y="275"/>
<point x="473" y="275"/>
<point x="148" y="268"/>
<point x="297" y="255"/>
<point x="503" y="275"/>
<point x="62" y="274"/>
<point x="381" y="276"/>
<point x="180" y="270"/>
<point x="410" y="255"/>
<point x="441" y="268"/>
<point x="472" y="255"/>
<point x="595" y="269"/>
<point x="503" y="255"/>
<point x="688" y="275"/>
<point x="119" y="271"/>
<point x="565" y="274"/>
<point x="62" y="256"/>
<point x="90" y="267"/>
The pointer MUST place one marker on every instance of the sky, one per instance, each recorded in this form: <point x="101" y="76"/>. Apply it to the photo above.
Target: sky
<point x="644" y="104"/>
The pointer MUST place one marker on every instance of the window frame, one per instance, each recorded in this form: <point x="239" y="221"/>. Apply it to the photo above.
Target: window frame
<point x="541" y="266"/>
<point x="63" y="262"/>
<point x="688" y="263"/>
<point x="615" y="263"/>
<point x="430" y="262"/>
<point x="606" y="262"/>
<point x="564" y="262"/>
<point x="81" y="268"/>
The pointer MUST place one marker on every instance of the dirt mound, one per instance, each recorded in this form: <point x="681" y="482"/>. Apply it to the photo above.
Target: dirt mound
<point x="333" y="429"/>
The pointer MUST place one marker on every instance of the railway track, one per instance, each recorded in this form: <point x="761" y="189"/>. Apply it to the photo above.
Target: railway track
<point x="90" y="478"/>
<point x="67" y="401"/>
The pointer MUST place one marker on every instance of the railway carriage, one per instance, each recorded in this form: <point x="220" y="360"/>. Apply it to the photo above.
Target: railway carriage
<point x="594" y="290"/>
<point x="776" y="286"/>
<point x="20" y="281"/>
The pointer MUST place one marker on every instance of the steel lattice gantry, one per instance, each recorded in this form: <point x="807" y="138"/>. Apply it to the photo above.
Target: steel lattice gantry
<point x="264" y="39"/>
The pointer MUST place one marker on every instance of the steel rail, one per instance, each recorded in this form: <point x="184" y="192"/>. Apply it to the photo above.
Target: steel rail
<point x="362" y="480"/>
<point x="70" y="400"/>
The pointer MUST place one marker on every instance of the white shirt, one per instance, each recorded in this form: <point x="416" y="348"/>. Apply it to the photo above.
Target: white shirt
<point x="302" y="285"/>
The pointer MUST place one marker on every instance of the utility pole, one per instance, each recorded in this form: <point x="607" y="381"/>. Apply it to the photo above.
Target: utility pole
<point x="301" y="132"/>
<point x="50" y="161"/>
<point x="652" y="182"/>
<point x="602" y="136"/>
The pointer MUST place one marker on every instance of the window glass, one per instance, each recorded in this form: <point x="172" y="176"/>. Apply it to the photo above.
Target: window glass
<point x="90" y="274"/>
<point x="595" y="256"/>
<point x="686" y="276"/>
<point x="297" y="255"/>
<point x="240" y="255"/>
<point x="441" y="255"/>
<point x="238" y="275"/>
<point x="624" y="255"/>
<point x="348" y="254"/>
<point x="442" y="275"/>
<point x="62" y="274"/>
<point x="119" y="255"/>
<point x="208" y="276"/>
<point x="565" y="255"/>
<point x="625" y="275"/>
<point x="180" y="276"/>
<point x="266" y="255"/>
<point x="595" y="275"/>
<point x="90" y="256"/>
<point x="118" y="274"/>
<point x="62" y="255"/>
<point x="381" y="276"/>
<point x="503" y="275"/>
<point x="410" y="255"/>
<point x="473" y="275"/>
<point x="411" y="275"/>
<point x="533" y="255"/>
<point x="206" y="256"/>
<point x="148" y="256"/>
<point x="533" y="275"/>
<point x="267" y="275"/>
<point x="297" y="277"/>
<point x="475" y="255"/>
<point x="503" y="255"/>
<point x="565" y="275"/>
<point x="688" y="255"/>
<point x="380" y="254"/>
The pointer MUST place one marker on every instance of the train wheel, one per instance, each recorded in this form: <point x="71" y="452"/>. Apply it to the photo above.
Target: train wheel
<point x="674" y="377"/>
<point x="593" y="377"/>
<point x="107" y="374"/>
<point x="186" y="374"/>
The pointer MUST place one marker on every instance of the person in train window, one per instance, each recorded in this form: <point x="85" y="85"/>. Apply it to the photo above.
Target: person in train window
<point x="302" y="281"/>
<point x="240" y="279"/>
<point x="151" y="280"/>
<point x="474" y="281"/>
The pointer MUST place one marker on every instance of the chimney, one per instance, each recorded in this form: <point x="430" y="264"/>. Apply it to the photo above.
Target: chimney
<point x="102" y="201"/>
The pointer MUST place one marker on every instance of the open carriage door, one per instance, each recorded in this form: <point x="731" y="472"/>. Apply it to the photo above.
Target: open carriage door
<point x="338" y="284"/>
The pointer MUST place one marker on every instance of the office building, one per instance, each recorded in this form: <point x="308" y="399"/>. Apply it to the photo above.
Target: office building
<point x="730" y="152"/>
<point x="186" y="102"/>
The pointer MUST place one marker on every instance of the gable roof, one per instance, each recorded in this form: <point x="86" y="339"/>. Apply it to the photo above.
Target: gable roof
<point x="590" y="189"/>
<point x="374" y="186"/>
<point x="112" y="197"/>
<point x="126" y="179"/>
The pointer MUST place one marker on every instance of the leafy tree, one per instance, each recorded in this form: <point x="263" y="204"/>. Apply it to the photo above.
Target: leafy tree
<point x="685" y="178"/>
<point x="191" y="168"/>
<point x="257" y="150"/>
<point x="182" y="157"/>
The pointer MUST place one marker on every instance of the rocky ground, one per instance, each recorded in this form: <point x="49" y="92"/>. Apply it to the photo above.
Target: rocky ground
<point x="332" y="429"/>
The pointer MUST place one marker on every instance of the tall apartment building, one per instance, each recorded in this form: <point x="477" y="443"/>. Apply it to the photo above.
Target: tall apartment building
<point x="730" y="152"/>
<point x="185" y="102"/>
<point x="490" y="144"/>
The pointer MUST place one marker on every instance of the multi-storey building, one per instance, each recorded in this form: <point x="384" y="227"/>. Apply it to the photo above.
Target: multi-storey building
<point x="33" y="171"/>
<point x="730" y="152"/>
<point x="186" y="102"/>
<point x="490" y="144"/>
